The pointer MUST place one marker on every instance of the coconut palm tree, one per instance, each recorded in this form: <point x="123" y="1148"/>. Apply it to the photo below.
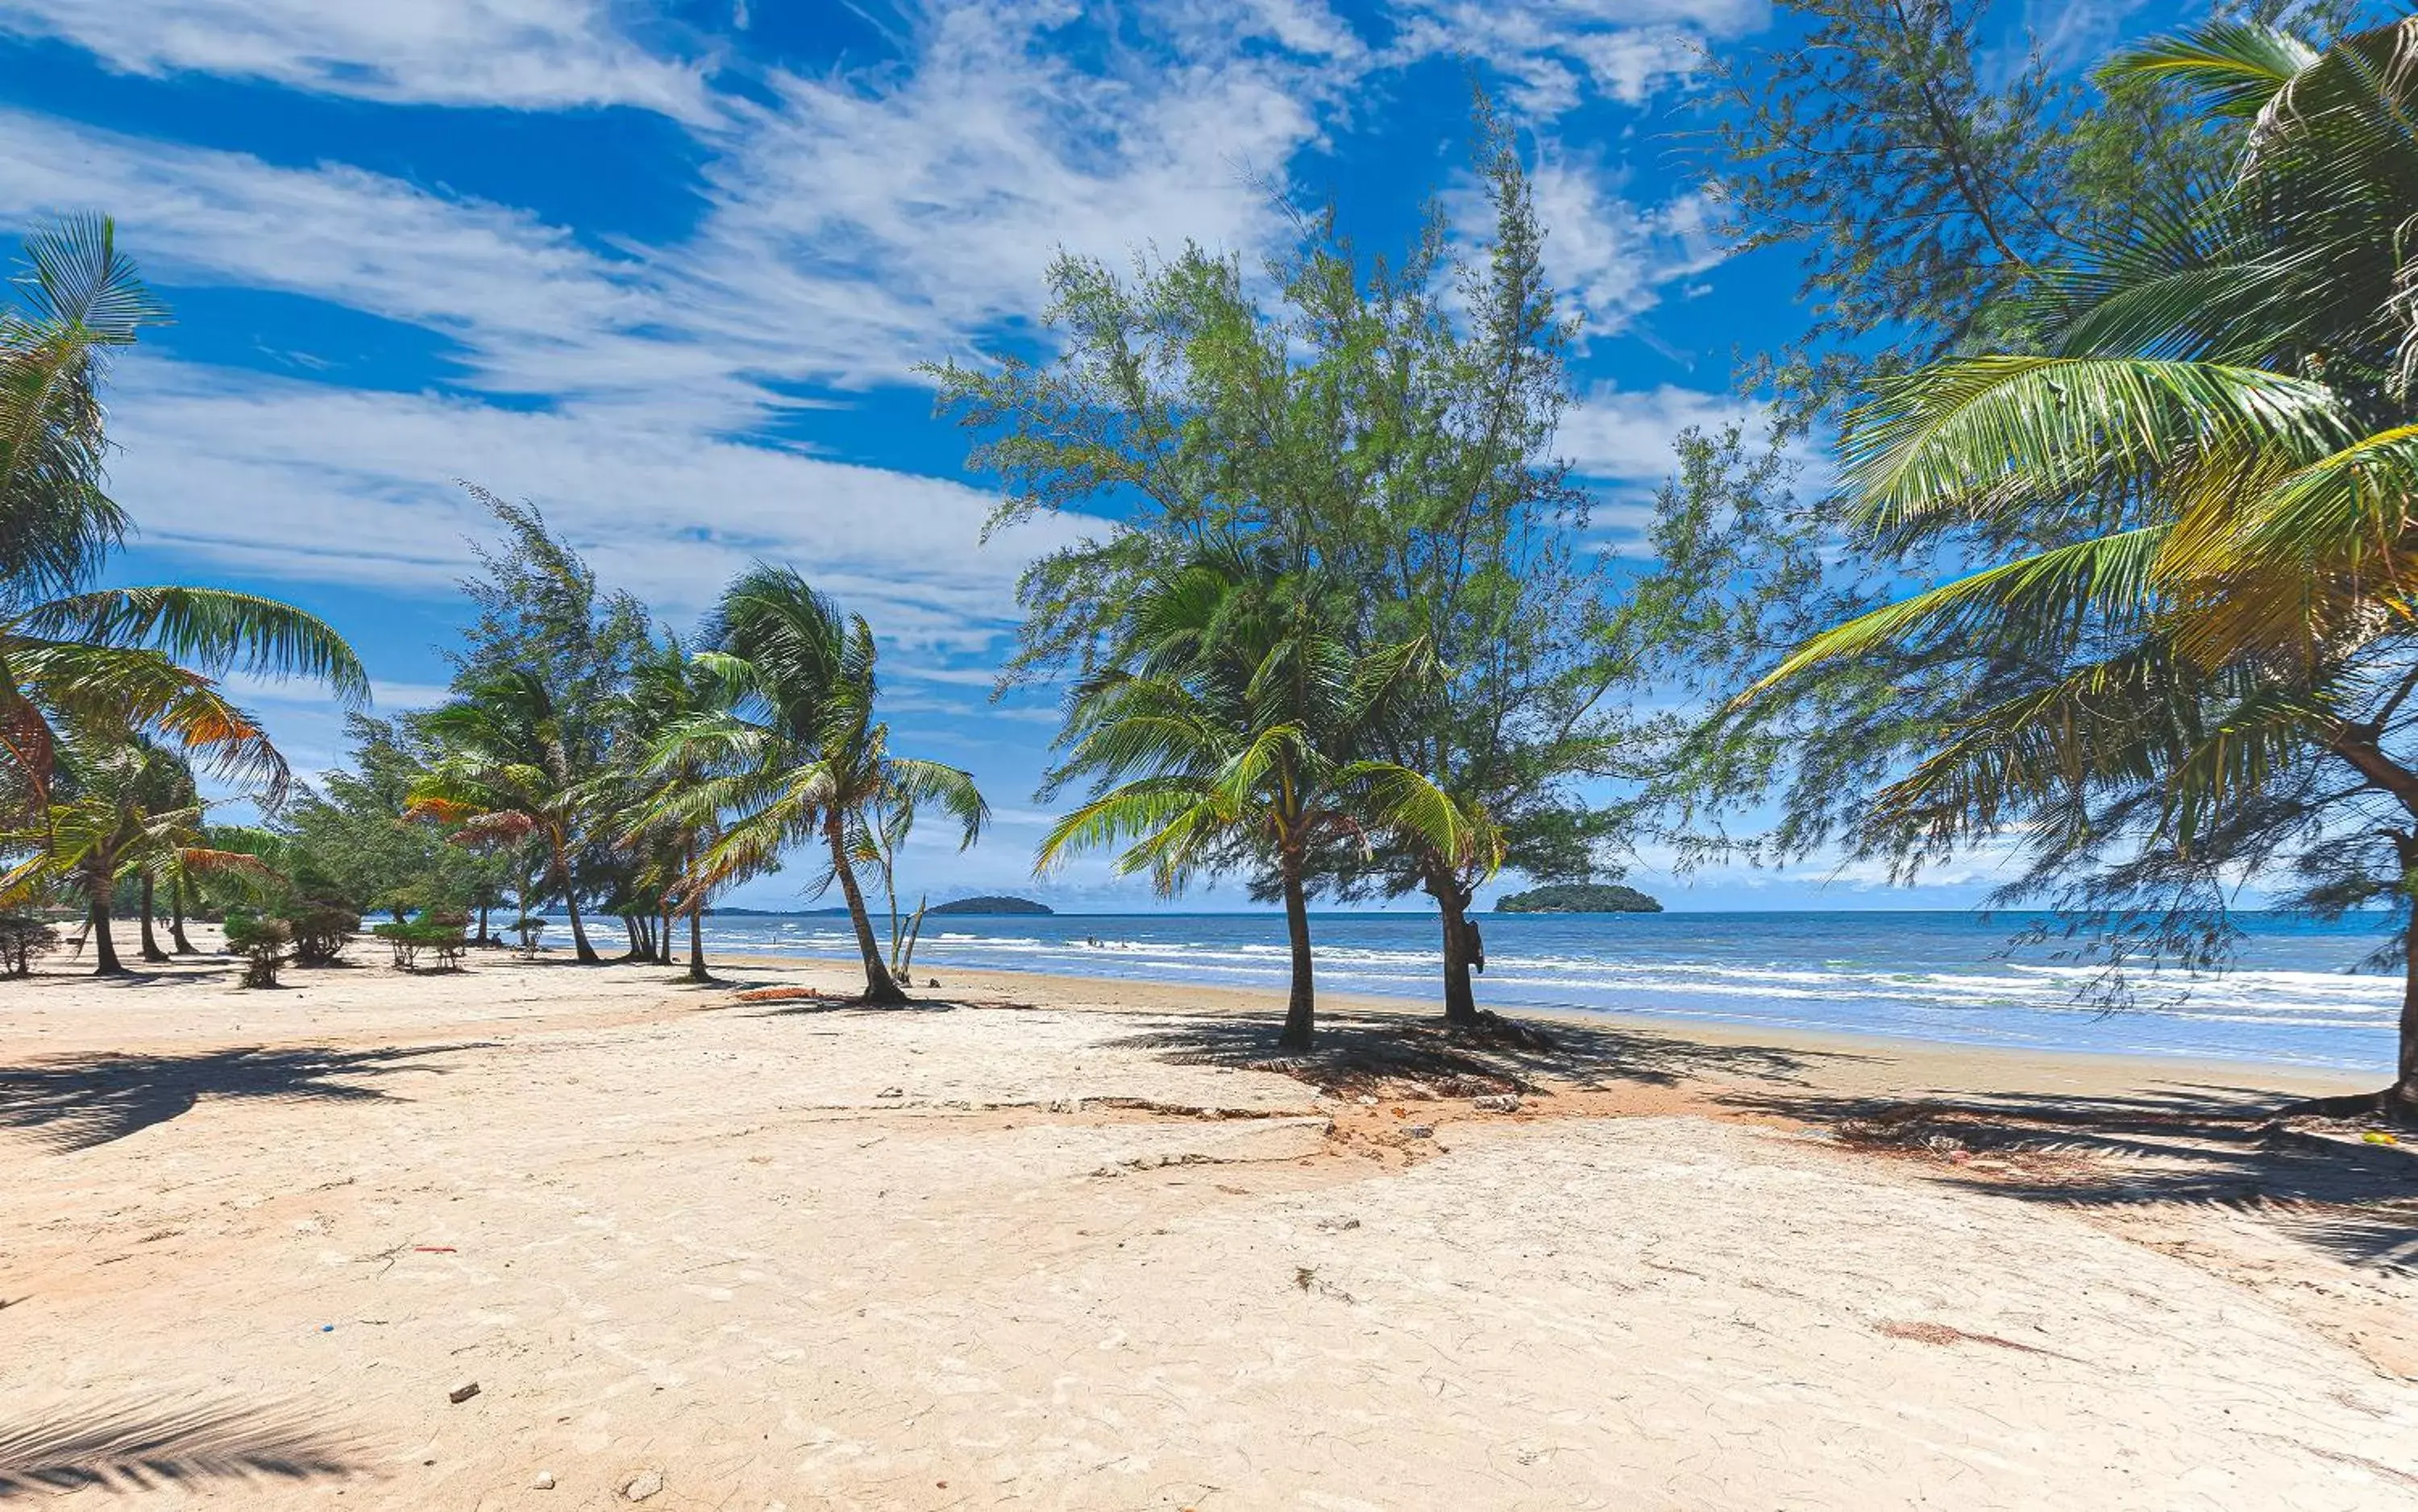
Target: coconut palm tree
<point x="111" y="662"/>
<point x="797" y="757"/>
<point x="506" y="774"/>
<point x="1224" y="734"/>
<point x="2216" y="461"/>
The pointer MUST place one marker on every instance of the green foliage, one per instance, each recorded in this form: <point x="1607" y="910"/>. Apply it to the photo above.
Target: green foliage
<point x="25" y="939"/>
<point x="791" y="755"/>
<point x="261" y="940"/>
<point x="1578" y="897"/>
<point x="1925" y="191"/>
<point x="441" y="936"/>
<point x="1381" y="429"/>
<point x="2190" y="663"/>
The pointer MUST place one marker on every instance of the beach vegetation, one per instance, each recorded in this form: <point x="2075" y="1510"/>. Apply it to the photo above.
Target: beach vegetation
<point x="1223" y="730"/>
<point x="1383" y="430"/>
<point x="2177" y="650"/>
<point x="795" y="758"/>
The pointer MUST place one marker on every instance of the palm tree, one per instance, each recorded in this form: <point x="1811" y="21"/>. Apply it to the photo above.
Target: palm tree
<point x="115" y="815"/>
<point x="505" y="774"/>
<point x="669" y="692"/>
<point x="1223" y="734"/>
<point x="109" y="663"/>
<point x="797" y="757"/>
<point x="2217" y="461"/>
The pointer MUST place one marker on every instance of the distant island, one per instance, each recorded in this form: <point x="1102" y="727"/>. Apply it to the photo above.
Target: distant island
<point x="992" y="904"/>
<point x="1578" y="897"/>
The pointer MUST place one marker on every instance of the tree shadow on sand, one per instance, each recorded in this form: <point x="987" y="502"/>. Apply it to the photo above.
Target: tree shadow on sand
<point x="143" y="1446"/>
<point x="2187" y="1142"/>
<point x="78" y="1102"/>
<point x="1373" y="1052"/>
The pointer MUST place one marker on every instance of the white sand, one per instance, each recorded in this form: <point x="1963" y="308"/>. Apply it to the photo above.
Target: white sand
<point x="677" y="1238"/>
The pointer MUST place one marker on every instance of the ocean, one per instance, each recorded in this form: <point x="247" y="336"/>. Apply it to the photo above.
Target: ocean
<point x="2295" y="995"/>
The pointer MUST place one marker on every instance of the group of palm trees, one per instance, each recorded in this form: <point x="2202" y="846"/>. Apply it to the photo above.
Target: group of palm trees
<point x="703" y="769"/>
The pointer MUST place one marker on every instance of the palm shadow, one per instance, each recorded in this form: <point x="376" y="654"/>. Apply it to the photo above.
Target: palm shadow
<point x="2184" y="1143"/>
<point x="1375" y="1052"/>
<point x="78" y="1102"/>
<point x="140" y="1445"/>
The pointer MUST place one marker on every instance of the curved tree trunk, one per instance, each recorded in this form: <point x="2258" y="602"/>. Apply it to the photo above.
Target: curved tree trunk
<point x="584" y="951"/>
<point x="105" y="949"/>
<point x="2397" y="1103"/>
<point x="696" y="971"/>
<point x="1461" y="951"/>
<point x="151" y="950"/>
<point x="880" y="986"/>
<point x="177" y="941"/>
<point x="1301" y="1008"/>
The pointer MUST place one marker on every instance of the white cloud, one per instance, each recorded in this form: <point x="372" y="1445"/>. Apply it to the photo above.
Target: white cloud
<point x="524" y="53"/>
<point x="299" y="481"/>
<point x="1625" y="435"/>
<point x="1554" y="54"/>
<point x="1611" y="256"/>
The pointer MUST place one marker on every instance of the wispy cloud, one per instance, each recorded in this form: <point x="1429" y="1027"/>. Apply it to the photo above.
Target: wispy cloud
<point x="527" y="54"/>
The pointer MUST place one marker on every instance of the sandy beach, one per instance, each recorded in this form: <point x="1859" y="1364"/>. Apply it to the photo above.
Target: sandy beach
<point x="1052" y="1243"/>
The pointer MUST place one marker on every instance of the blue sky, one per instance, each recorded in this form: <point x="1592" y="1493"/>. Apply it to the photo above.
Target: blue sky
<point x="665" y="269"/>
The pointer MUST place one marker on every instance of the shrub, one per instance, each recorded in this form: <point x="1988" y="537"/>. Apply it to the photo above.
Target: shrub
<point x="262" y="944"/>
<point x="528" y="927"/>
<point x="322" y="929"/>
<point x="24" y="938"/>
<point x="437" y="935"/>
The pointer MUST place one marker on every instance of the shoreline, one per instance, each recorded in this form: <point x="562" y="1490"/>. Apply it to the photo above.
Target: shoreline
<point x="2057" y="1066"/>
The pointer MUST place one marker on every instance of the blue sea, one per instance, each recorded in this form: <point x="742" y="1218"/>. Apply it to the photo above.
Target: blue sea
<point x="2295" y="996"/>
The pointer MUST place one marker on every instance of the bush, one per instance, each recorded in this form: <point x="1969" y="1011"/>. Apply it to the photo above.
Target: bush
<point x="322" y="929"/>
<point x="22" y="938"/>
<point x="438" y="934"/>
<point x="528" y="927"/>
<point x="262" y="944"/>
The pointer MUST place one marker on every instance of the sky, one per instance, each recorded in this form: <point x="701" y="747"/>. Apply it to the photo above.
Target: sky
<point x="667" y="269"/>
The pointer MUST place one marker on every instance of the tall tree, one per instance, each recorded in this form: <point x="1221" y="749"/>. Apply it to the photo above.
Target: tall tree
<point x="1387" y="426"/>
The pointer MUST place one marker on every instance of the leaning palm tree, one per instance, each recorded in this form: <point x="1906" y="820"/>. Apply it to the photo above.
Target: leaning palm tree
<point x="94" y="663"/>
<point x="2216" y="460"/>
<point x="797" y="758"/>
<point x="505" y="774"/>
<point x="1223" y="734"/>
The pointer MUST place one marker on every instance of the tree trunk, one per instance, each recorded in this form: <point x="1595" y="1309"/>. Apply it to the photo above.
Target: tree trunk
<point x="151" y="950"/>
<point x="584" y="951"/>
<point x="880" y="986"/>
<point x="104" y="952"/>
<point x="663" y="937"/>
<point x="638" y="951"/>
<point x="1459" y="939"/>
<point x="177" y="941"/>
<point x="1301" y="1008"/>
<point x="696" y="971"/>
<point x="2402" y="1101"/>
<point x="483" y="937"/>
